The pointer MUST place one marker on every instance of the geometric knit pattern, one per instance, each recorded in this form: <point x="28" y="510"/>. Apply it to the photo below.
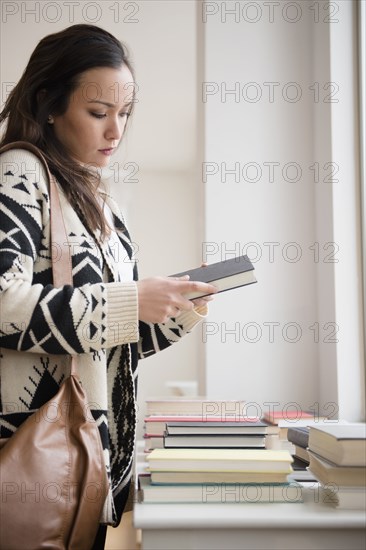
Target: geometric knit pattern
<point x="95" y="318"/>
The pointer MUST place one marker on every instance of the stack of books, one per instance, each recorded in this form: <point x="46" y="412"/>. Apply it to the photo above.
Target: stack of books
<point x="219" y="475"/>
<point x="337" y="456"/>
<point x="299" y="437"/>
<point x="198" y="410"/>
<point x="279" y="422"/>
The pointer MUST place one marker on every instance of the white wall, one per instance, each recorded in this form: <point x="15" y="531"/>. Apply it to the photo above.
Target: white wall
<point x="268" y="60"/>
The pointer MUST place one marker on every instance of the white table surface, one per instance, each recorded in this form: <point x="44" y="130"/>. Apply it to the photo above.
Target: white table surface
<point x="313" y="512"/>
<point x="308" y="525"/>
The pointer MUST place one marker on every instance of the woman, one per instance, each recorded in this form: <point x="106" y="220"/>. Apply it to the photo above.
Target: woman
<point x="73" y="102"/>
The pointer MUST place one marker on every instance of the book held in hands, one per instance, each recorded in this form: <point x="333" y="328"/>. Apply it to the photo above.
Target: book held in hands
<point x="225" y="275"/>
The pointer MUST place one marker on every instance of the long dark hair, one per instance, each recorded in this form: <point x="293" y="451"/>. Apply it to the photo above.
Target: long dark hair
<point x="52" y="74"/>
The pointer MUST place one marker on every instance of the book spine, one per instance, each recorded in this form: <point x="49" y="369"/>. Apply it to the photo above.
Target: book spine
<point x="298" y="437"/>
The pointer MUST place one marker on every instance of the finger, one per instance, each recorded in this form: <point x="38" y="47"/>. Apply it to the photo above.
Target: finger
<point x="196" y="286"/>
<point x="183" y="304"/>
<point x="182" y="278"/>
<point x="176" y="311"/>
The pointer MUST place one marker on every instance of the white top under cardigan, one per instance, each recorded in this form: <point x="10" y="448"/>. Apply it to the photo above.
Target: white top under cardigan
<point x="96" y="318"/>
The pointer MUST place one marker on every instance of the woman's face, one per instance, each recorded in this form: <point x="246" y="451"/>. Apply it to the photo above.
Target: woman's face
<point x="95" y="119"/>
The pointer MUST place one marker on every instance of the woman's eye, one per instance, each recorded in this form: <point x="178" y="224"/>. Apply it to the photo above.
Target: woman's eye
<point x="98" y="115"/>
<point x="103" y="115"/>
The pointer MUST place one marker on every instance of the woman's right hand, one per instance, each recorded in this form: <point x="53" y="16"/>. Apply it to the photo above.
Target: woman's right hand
<point x="161" y="298"/>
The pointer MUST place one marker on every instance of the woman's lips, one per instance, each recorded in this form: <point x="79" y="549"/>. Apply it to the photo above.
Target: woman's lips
<point x="107" y="152"/>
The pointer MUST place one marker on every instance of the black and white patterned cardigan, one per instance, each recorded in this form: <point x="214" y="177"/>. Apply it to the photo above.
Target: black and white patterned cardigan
<point x="96" y="318"/>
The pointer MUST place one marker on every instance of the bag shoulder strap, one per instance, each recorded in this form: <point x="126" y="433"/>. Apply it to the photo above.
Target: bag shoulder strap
<point x="61" y="259"/>
<point x="60" y="249"/>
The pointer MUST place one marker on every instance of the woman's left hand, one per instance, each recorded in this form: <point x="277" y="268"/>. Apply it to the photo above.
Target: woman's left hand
<point x="201" y="302"/>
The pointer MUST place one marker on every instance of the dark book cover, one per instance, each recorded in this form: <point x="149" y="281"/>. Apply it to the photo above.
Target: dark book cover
<point x="299" y="464"/>
<point x="299" y="436"/>
<point x="226" y="275"/>
<point x="216" y="427"/>
<point x="218" y="270"/>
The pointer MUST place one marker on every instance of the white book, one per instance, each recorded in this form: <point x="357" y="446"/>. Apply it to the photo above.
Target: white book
<point x="220" y="492"/>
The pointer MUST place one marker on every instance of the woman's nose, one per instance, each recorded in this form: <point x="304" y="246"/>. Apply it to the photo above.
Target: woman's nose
<point x="115" y="129"/>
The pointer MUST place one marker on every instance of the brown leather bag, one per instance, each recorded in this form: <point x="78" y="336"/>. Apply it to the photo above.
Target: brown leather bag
<point x="52" y="471"/>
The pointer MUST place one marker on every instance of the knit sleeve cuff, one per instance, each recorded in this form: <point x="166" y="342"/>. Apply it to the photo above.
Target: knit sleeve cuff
<point x="122" y="325"/>
<point x="189" y="319"/>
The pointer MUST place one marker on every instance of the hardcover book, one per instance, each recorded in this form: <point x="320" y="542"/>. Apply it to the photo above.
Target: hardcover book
<point x="302" y="453"/>
<point x="237" y="460"/>
<point x="327" y="472"/>
<point x="342" y="444"/>
<point x="301" y="471"/>
<point x="299" y="436"/>
<point x="213" y="441"/>
<point x="275" y="417"/>
<point x="216" y="428"/>
<point x="225" y="275"/>
<point x="192" y="477"/>
<point x="219" y="492"/>
<point x="201" y="407"/>
<point x="156" y="424"/>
